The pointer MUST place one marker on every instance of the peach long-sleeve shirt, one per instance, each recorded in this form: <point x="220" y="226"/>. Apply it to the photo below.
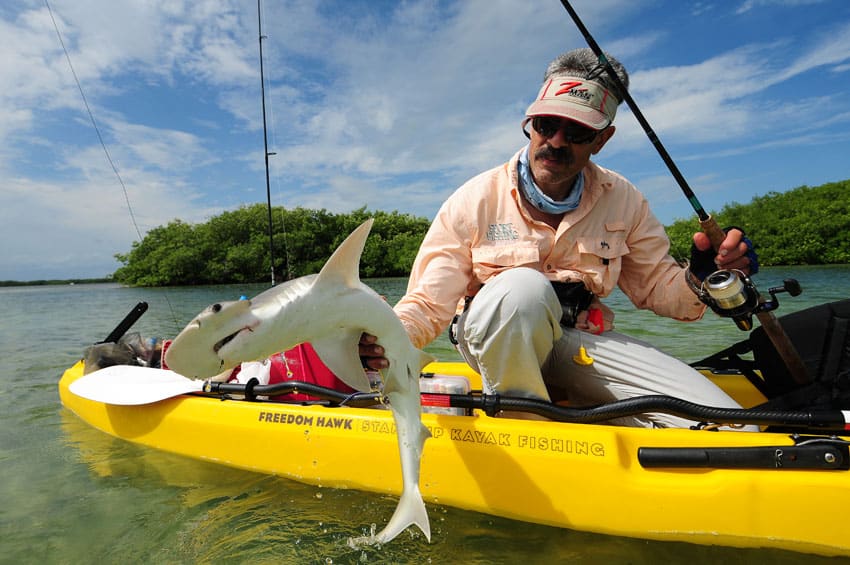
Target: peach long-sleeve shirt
<point x="611" y="239"/>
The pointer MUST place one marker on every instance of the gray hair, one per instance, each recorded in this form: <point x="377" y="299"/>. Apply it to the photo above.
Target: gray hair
<point x="583" y="63"/>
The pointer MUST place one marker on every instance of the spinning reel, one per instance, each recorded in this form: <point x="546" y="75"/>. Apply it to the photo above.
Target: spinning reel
<point x="731" y="294"/>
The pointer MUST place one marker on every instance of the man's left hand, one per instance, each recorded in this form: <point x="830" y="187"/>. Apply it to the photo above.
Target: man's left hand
<point x="736" y="252"/>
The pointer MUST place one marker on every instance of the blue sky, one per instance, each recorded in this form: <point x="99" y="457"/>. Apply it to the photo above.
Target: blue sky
<point x="389" y="105"/>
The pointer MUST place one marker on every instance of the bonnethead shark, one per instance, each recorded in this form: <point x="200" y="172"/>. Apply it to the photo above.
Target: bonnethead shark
<point x="330" y="310"/>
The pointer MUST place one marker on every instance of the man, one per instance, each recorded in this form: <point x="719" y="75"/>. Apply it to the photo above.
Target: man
<point x="524" y="252"/>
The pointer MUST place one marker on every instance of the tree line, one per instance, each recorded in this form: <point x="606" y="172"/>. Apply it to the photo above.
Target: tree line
<point x="233" y="247"/>
<point x="803" y="226"/>
<point x="52" y="282"/>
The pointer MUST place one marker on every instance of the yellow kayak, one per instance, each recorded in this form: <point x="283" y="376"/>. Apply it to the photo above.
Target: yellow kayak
<point x="699" y="486"/>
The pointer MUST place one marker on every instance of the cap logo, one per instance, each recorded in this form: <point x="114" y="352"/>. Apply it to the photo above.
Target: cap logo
<point x="570" y="88"/>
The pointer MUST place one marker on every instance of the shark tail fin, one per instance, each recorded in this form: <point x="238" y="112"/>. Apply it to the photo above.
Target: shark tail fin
<point x="343" y="268"/>
<point x="410" y="511"/>
<point x="411" y="507"/>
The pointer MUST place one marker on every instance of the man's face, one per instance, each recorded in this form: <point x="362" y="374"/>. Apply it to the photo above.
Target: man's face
<point x="556" y="154"/>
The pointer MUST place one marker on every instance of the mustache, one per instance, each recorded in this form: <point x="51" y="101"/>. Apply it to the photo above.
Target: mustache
<point x="558" y="154"/>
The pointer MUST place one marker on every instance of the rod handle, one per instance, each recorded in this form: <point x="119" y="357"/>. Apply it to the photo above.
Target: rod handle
<point x="712" y="230"/>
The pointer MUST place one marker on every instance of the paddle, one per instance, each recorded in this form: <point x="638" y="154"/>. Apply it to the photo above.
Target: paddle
<point x="130" y="385"/>
<point x="777" y="335"/>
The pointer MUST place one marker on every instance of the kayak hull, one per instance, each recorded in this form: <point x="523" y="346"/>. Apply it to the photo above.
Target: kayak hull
<point x="578" y="476"/>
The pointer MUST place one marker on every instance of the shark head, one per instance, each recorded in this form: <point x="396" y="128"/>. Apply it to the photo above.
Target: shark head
<point x="303" y="309"/>
<point x="201" y="349"/>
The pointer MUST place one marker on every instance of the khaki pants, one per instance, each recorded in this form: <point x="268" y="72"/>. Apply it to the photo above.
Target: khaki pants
<point x="511" y="335"/>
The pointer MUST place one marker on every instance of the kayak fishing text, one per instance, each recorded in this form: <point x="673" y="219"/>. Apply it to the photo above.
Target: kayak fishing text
<point x="501" y="439"/>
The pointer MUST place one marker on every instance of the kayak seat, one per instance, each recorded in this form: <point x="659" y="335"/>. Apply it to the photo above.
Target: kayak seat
<point x="821" y="335"/>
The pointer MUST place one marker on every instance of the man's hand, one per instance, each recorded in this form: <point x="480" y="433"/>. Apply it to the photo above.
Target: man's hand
<point x="372" y="354"/>
<point x="736" y="252"/>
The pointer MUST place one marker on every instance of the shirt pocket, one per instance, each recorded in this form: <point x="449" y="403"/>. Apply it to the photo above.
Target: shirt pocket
<point x="492" y="260"/>
<point x="602" y="258"/>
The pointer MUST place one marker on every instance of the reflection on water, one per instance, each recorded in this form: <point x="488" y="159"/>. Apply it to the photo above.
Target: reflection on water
<point x="72" y="494"/>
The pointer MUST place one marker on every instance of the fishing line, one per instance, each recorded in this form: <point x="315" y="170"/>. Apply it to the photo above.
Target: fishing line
<point x="279" y="197"/>
<point x="93" y="122"/>
<point x="103" y="144"/>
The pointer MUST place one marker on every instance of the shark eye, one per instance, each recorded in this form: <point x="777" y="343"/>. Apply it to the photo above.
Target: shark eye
<point x="216" y="308"/>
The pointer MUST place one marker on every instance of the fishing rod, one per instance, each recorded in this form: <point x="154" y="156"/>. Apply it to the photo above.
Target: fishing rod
<point x="747" y="299"/>
<point x="266" y="141"/>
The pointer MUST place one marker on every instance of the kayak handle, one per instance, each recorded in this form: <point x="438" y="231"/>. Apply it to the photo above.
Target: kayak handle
<point x="824" y="454"/>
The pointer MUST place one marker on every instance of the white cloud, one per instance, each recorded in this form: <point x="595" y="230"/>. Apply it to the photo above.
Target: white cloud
<point x="749" y="5"/>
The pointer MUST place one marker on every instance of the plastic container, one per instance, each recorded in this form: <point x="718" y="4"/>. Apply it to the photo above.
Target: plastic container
<point x="442" y="384"/>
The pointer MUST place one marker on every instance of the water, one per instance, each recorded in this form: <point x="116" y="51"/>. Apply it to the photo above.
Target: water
<point x="72" y="494"/>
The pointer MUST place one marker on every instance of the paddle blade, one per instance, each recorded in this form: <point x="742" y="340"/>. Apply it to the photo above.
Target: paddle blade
<point x="130" y="385"/>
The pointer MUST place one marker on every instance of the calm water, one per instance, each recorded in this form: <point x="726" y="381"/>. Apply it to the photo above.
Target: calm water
<point x="71" y="494"/>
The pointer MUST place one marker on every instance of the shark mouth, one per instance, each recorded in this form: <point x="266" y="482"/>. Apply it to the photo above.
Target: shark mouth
<point x="218" y="345"/>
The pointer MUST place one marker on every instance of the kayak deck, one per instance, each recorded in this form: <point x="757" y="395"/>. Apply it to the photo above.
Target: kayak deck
<point x="579" y="476"/>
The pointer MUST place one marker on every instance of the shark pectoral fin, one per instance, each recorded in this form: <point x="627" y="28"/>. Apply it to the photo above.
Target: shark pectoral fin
<point x="340" y="354"/>
<point x="424" y="359"/>
<point x="414" y="371"/>
<point x="343" y="268"/>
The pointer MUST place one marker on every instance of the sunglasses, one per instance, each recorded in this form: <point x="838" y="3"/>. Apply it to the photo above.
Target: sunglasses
<point x="547" y="126"/>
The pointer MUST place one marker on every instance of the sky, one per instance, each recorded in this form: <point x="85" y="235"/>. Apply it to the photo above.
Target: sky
<point x="387" y="105"/>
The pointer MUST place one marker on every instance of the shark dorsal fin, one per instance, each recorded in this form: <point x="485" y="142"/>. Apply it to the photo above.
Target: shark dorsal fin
<point x="343" y="268"/>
